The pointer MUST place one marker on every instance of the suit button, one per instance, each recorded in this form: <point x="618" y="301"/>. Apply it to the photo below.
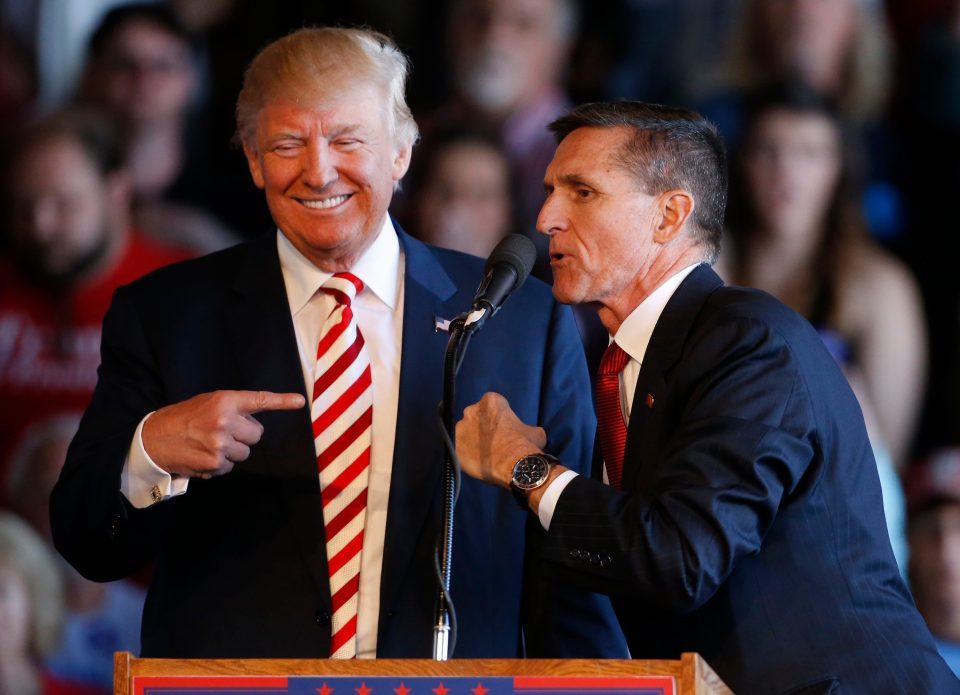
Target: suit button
<point x="322" y="617"/>
<point x="605" y="561"/>
<point x="575" y="554"/>
<point x="594" y="559"/>
<point x="114" y="531"/>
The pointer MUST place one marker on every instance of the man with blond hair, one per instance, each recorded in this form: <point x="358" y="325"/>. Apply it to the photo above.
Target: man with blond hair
<point x="265" y="424"/>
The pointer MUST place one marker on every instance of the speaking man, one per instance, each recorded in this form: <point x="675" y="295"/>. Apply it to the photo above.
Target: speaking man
<point x="734" y="508"/>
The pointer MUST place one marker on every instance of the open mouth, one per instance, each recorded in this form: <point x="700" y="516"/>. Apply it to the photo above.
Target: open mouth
<point x="326" y="203"/>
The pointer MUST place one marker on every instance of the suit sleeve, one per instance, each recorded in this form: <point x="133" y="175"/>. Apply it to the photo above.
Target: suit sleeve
<point x="738" y="442"/>
<point x="94" y="527"/>
<point x="561" y="620"/>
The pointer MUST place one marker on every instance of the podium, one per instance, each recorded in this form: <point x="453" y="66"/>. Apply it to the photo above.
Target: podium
<point x="689" y="675"/>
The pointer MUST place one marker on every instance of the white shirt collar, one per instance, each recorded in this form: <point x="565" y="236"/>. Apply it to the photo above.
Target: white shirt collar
<point x="378" y="268"/>
<point x="635" y="331"/>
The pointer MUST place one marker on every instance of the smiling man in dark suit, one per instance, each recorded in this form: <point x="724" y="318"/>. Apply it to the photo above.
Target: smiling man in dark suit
<point x="734" y="508"/>
<point x="265" y="424"/>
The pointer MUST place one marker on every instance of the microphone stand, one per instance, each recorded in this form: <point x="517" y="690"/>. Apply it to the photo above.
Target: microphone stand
<point x="506" y="269"/>
<point x="445" y="623"/>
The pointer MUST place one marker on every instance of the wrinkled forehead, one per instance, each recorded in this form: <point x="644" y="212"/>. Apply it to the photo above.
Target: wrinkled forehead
<point x="339" y="104"/>
<point x="597" y="146"/>
<point x="326" y="83"/>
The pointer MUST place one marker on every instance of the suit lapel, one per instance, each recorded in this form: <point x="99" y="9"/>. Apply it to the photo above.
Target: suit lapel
<point x="259" y="321"/>
<point x="663" y="351"/>
<point x="417" y="460"/>
<point x="260" y="328"/>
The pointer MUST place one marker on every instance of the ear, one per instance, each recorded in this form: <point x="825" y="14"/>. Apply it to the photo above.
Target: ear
<point x="401" y="161"/>
<point x="253" y="161"/>
<point x="675" y="209"/>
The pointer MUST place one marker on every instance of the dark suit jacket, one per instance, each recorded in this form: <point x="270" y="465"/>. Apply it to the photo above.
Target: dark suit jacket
<point x="750" y="526"/>
<point x="240" y="559"/>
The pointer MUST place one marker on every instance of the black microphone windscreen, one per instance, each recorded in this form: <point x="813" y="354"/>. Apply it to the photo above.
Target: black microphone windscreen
<point x="518" y="252"/>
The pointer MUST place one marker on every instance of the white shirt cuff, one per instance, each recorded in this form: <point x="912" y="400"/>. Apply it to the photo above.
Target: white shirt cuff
<point x="142" y="481"/>
<point x="548" y="503"/>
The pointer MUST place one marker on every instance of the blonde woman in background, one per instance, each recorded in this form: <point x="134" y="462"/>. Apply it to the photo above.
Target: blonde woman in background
<point x="31" y="611"/>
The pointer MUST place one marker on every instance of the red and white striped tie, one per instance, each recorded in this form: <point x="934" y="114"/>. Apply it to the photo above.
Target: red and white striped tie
<point x="342" y="414"/>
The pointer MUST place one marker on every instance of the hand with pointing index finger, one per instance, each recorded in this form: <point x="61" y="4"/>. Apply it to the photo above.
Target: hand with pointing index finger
<point x="205" y="435"/>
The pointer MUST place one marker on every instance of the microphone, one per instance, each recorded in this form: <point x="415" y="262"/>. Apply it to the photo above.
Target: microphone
<point x="507" y="268"/>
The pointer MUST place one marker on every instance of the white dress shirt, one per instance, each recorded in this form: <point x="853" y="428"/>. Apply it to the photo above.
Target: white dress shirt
<point x="633" y="336"/>
<point x="379" y="313"/>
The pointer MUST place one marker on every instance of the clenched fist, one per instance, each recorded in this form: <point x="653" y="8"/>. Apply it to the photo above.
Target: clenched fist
<point x="491" y="439"/>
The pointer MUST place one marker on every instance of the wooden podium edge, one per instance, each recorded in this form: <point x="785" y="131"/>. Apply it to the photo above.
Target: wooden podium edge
<point x="704" y="679"/>
<point x="693" y="675"/>
<point x="122" y="677"/>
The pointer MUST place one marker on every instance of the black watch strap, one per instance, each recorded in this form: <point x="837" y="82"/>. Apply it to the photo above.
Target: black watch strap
<point x="520" y="496"/>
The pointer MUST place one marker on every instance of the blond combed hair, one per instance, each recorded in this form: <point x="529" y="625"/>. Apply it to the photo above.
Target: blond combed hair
<point x="326" y="59"/>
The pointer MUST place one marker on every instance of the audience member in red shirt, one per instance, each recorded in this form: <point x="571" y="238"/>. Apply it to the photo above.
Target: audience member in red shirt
<point x="69" y="245"/>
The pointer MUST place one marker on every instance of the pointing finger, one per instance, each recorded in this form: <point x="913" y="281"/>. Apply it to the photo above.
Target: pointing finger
<point x="250" y="402"/>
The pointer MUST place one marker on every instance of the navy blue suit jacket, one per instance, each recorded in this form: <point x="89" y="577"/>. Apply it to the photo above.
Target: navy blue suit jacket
<point x="240" y="564"/>
<point x="750" y="526"/>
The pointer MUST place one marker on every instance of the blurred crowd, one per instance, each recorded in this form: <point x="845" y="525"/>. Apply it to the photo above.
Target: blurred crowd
<point x="117" y="156"/>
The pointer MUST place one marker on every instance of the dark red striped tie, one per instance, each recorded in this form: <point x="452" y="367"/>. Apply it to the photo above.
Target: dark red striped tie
<point x="613" y="430"/>
<point x="342" y="414"/>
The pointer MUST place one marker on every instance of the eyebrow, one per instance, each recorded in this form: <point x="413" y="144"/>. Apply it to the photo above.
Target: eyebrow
<point x="284" y="135"/>
<point x="572" y="180"/>
<point x="344" y="130"/>
<point x="299" y="135"/>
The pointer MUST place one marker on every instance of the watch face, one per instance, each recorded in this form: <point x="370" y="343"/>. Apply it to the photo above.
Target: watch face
<point x="530" y="472"/>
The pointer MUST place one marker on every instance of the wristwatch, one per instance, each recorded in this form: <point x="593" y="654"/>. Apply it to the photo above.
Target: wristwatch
<point x="529" y="473"/>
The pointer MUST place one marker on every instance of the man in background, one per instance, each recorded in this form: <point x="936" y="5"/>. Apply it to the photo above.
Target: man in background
<point x="69" y="245"/>
<point x="509" y="58"/>
<point x="143" y="67"/>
